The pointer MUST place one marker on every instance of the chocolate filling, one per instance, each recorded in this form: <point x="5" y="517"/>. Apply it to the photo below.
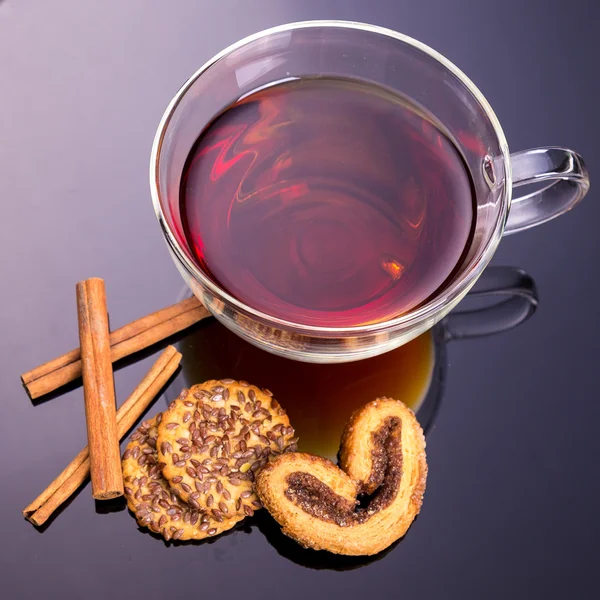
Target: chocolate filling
<point x="320" y="501"/>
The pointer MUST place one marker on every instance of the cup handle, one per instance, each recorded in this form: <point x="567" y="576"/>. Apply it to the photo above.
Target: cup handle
<point x="568" y="182"/>
<point x="517" y="300"/>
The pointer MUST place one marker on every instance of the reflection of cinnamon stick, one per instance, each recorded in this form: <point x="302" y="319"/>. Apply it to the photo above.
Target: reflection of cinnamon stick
<point x="99" y="390"/>
<point x="78" y="469"/>
<point x="127" y="340"/>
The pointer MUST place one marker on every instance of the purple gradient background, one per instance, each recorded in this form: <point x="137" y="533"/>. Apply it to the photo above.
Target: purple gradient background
<point x="511" y="509"/>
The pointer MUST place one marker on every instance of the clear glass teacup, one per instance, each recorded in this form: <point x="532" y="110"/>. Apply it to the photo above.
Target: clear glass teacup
<point x="387" y="58"/>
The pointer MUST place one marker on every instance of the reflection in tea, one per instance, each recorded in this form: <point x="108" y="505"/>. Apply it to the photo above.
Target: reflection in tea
<point x="319" y="399"/>
<point x="326" y="202"/>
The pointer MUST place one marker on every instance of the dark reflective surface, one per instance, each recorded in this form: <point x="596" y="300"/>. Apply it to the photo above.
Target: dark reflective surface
<point x="511" y="508"/>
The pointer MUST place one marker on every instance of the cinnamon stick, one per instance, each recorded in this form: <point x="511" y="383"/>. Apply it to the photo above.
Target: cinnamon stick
<point x="77" y="471"/>
<point x="99" y="390"/>
<point x="127" y="340"/>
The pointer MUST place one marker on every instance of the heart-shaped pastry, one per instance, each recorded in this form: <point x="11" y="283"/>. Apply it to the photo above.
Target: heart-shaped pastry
<point x="365" y="504"/>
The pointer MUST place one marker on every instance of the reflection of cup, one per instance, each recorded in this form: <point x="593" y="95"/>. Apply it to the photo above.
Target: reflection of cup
<point x="403" y="65"/>
<point x="320" y="398"/>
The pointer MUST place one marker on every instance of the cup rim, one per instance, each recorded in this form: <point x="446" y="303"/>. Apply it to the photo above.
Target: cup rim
<point x="430" y="309"/>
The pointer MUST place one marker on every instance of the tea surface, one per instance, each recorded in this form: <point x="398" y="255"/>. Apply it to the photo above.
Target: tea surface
<point x="327" y="202"/>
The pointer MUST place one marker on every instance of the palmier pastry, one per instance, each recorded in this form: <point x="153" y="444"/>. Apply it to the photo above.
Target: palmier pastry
<point x="382" y="456"/>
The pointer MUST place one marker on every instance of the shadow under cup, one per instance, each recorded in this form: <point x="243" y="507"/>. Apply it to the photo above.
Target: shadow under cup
<point x="373" y="55"/>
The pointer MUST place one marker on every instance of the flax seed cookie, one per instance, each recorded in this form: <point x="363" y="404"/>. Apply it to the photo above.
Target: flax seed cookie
<point x="150" y="498"/>
<point x="382" y="454"/>
<point x="213" y="439"/>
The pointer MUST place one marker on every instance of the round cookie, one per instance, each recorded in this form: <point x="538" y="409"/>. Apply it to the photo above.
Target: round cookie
<point x="213" y="439"/>
<point x="150" y="498"/>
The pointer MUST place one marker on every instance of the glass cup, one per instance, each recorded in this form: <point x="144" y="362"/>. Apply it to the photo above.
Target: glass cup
<point x="386" y="58"/>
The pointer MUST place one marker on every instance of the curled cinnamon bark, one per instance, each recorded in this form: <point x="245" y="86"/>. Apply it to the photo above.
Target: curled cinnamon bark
<point x="126" y="340"/>
<point x="78" y="470"/>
